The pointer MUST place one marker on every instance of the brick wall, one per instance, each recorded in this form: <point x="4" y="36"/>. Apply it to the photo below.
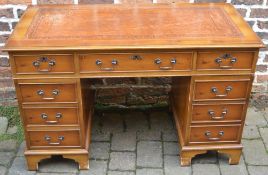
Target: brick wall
<point x="135" y="91"/>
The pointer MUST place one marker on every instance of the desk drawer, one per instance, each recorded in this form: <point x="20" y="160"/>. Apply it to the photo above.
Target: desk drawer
<point x="203" y="113"/>
<point x="215" y="90"/>
<point x="51" y="116"/>
<point x="225" y="60"/>
<point x="219" y="133"/>
<point x="54" y="139"/>
<point x="135" y="62"/>
<point x="47" y="92"/>
<point x="44" y="64"/>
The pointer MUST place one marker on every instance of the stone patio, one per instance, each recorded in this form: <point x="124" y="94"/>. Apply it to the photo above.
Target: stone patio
<point x="137" y="143"/>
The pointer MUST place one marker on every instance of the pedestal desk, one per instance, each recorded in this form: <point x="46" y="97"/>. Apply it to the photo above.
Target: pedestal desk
<point x="208" y="49"/>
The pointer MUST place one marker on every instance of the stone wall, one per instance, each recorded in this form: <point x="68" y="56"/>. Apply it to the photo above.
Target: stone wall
<point x="135" y="91"/>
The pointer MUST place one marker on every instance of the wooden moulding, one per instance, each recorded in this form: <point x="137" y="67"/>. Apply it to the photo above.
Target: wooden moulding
<point x="81" y="156"/>
<point x="34" y="157"/>
<point x="232" y="150"/>
<point x="188" y="151"/>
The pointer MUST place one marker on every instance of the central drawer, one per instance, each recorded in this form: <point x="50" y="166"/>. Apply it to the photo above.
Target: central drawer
<point x="135" y="62"/>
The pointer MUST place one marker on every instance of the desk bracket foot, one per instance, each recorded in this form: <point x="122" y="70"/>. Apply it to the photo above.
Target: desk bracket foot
<point x="234" y="155"/>
<point x="33" y="160"/>
<point x="186" y="156"/>
<point x="82" y="160"/>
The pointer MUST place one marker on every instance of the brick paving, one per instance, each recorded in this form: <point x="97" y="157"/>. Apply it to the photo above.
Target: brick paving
<point x="148" y="147"/>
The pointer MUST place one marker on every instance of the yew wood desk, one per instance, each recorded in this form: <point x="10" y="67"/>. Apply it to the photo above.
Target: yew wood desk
<point x="208" y="49"/>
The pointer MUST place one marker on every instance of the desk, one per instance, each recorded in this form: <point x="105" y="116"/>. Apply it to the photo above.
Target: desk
<point x="208" y="49"/>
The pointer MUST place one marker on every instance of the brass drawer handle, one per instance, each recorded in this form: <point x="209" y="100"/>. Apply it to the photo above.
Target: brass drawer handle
<point x="57" y="116"/>
<point x="48" y="139"/>
<point x="208" y="135"/>
<point x="114" y="63"/>
<point x="211" y="113"/>
<point x="50" y="63"/>
<point x="226" y="56"/>
<point x="158" y="61"/>
<point x="216" y="92"/>
<point x="54" y="93"/>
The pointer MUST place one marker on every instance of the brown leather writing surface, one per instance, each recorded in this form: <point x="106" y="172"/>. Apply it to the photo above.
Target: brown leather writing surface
<point x="118" y="26"/>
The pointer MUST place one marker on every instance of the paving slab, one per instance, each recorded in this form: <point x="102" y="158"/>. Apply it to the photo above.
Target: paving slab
<point x="99" y="150"/>
<point x="122" y="161"/>
<point x="208" y="158"/>
<point x="8" y="145"/>
<point x="58" y="165"/>
<point x="19" y="167"/>
<point x="149" y="154"/>
<point x="101" y="136"/>
<point x="258" y="170"/>
<point x="255" y="118"/>
<point x="124" y="141"/>
<point x="6" y="158"/>
<point x="161" y="121"/>
<point x="206" y="169"/>
<point x="112" y="122"/>
<point x="12" y="130"/>
<point x="136" y="121"/>
<point x="227" y="169"/>
<point x="3" y="170"/>
<point x="97" y="167"/>
<point x="120" y="173"/>
<point x="264" y="135"/>
<point x="21" y="149"/>
<point x="148" y="171"/>
<point x="254" y="152"/>
<point x="55" y="173"/>
<point x="150" y="135"/>
<point x="3" y="125"/>
<point x="170" y="136"/>
<point x="172" y="166"/>
<point x="250" y="132"/>
<point x="96" y="124"/>
<point x="171" y="148"/>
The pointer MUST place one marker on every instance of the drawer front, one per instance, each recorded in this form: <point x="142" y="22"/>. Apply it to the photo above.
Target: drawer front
<point x="54" y="138"/>
<point x="48" y="92"/>
<point x="51" y="116"/>
<point x="214" y="90"/>
<point x="217" y="113"/>
<point x="225" y="60"/>
<point x="43" y="64"/>
<point x="135" y="62"/>
<point x="208" y="134"/>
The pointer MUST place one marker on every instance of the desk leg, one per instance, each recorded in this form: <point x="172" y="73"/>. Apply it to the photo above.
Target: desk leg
<point x="82" y="160"/>
<point x="32" y="161"/>
<point x="234" y="155"/>
<point x="186" y="156"/>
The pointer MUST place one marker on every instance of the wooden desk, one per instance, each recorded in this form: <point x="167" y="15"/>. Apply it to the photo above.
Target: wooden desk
<point x="208" y="49"/>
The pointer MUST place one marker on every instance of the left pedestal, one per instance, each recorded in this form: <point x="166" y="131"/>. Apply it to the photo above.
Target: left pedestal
<point x="56" y="114"/>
